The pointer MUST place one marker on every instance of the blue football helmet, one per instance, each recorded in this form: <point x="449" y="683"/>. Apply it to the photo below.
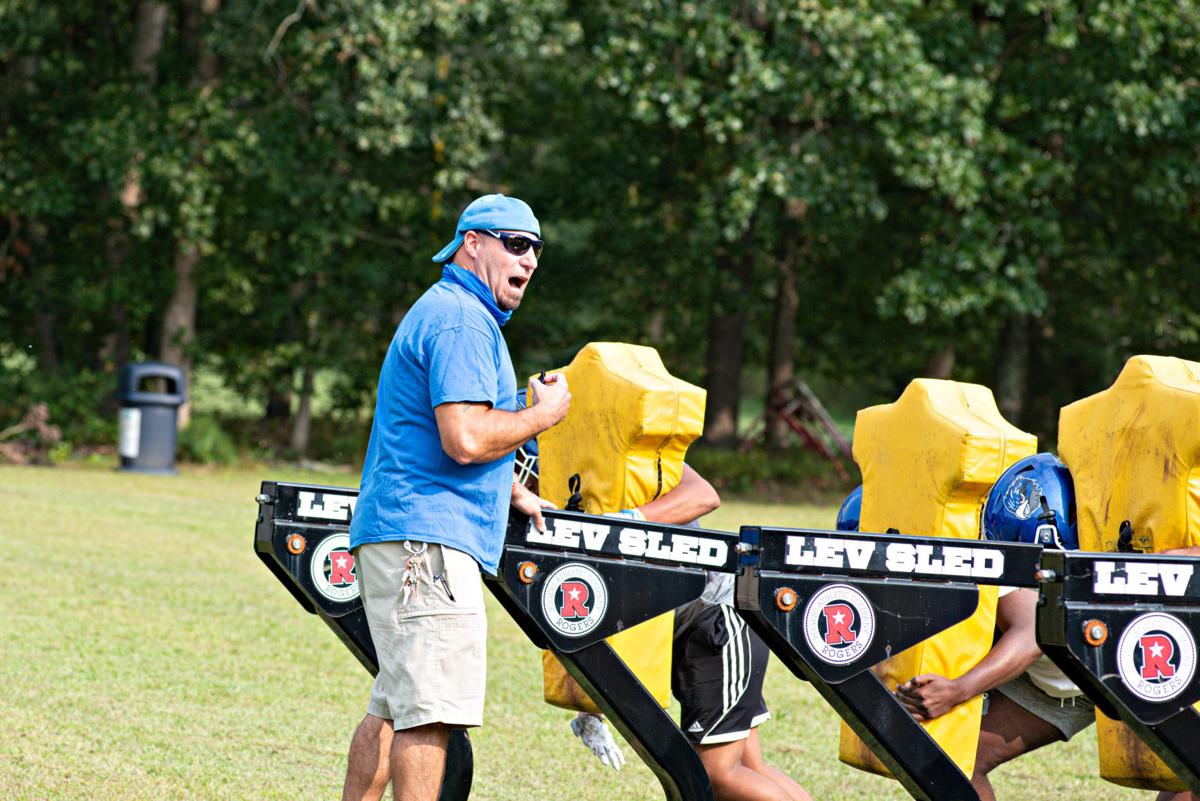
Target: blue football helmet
<point x="1033" y="501"/>
<point x="851" y="511"/>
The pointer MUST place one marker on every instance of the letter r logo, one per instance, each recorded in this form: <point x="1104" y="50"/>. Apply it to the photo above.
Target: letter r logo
<point x="575" y="596"/>
<point x="1157" y="651"/>
<point x="341" y="568"/>
<point x="838" y="618"/>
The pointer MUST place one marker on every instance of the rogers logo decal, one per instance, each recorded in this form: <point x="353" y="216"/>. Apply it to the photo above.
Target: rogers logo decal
<point x="1156" y="657"/>
<point x="574" y="599"/>
<point x="333" y="569"/>
<point x="839" y="624"/>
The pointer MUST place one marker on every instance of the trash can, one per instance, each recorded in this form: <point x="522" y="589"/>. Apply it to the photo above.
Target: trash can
<point x="148" y="418"/>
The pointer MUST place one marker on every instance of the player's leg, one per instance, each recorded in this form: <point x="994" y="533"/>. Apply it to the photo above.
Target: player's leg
<point x="368" y="764"/>
<point x="752" y="758"/>
<point x="733" y="781"/>
<point x="718" y="676"/>
<point x="1008" y="731"/>
<point x="1022" y="717"/>
<point x="1168" y="796"/>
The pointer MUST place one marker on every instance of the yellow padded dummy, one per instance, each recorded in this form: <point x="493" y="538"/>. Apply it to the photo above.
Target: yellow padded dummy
<point x="626" y="433"/>
<point x="928" y="461"/>
<point x="1134" y="454"/>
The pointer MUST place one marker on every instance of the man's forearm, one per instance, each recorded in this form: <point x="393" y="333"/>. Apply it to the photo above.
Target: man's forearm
<point x="479" y="435"/>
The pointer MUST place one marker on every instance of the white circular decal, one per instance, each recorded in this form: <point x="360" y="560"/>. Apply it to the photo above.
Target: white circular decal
<point x="1156" y="657"/>
<point x="839" y="624"/>
<point x="574" y="599"/>
<point x="333" y="570"/>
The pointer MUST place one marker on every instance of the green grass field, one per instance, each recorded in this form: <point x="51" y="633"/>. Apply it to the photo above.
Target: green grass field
<point x="148" y="654"/>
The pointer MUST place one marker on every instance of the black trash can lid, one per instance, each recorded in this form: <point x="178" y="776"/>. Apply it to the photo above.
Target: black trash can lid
<point x="134" y="373"/>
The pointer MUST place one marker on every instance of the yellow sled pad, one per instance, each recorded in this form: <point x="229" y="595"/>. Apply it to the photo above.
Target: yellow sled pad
<point x="1134" y="455"/>
<point x="928" y="461"/>
<point x="628" y="429"/>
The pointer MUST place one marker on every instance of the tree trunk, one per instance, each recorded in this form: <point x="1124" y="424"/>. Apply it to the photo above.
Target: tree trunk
<point x="1012" y="366"/>
<point x="656" y="326"/>
<point x="116" y="349"/>
<point x="179" y="322"/>
<point x="303" y="422"/>
<point x="195" y="16"/>
<point x="940" y="364"/>
<point x="725" y="339"/>
<point x="724" y="380"/>
<point x="143" y="61"/>
<point x="179" y="319"/>
<point x="781" y="360"/>
<point x="45" y="322"/>
<point x="148" y="39"/>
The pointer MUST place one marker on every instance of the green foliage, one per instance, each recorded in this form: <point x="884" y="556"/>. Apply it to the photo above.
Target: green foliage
<point x="75" y="403"/>
<point x="929" y="172"/>
<point x="206" y="442"/>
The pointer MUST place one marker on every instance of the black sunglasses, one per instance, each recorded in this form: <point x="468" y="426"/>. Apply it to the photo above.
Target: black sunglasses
<point x="518" y="244"/>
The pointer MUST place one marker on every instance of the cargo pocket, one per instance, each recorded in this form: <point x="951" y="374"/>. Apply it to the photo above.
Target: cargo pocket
<point x="459" y="580"/>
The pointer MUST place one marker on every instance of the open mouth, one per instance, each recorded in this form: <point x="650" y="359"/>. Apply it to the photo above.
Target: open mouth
<point x="516" y="282"/>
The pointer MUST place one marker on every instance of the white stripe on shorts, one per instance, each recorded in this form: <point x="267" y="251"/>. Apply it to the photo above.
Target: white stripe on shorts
<point x="735" y="662"/>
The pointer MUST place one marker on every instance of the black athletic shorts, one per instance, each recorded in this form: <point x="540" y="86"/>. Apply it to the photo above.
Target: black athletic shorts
<point x="717" y="671"/>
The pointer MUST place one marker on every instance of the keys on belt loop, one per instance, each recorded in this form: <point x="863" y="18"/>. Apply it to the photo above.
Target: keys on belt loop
<point x="409" y="586"/>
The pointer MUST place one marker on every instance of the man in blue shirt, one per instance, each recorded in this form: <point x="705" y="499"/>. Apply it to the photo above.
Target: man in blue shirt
<point x="436" y="488"/>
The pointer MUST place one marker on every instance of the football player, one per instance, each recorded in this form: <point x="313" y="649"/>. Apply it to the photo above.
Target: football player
<point x="717" y="668"/>
<point x="1030" y="702"/>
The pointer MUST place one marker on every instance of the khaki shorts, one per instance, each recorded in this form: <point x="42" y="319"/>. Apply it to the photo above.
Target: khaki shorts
<point x="431" y="640"/>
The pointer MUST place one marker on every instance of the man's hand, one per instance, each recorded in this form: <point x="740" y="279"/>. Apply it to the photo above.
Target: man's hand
<point x="525" y="501"/>
<point x="551" y="397"/>
<point x="929" y="696"/>
<point x="596" y="736"/>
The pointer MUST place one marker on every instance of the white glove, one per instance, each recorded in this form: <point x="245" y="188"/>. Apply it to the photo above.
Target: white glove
<point x="596" y="736"/>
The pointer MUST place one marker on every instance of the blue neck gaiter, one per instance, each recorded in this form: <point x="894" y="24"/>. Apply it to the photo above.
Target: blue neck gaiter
<point x="471" y="282"/>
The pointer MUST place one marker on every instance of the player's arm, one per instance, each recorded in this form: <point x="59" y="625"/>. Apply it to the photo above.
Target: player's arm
<point x="929" y="696"/>
<point x="1193" y="550"/>
<point x="692" y="497"/>
<point x="472" y="433"/>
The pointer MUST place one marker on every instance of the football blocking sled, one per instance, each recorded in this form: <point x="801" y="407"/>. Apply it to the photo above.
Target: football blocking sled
<point x="630" y="577"/>
<point x="1123" y="628"/>
<point x="791" y="587"/>
<point x="832" y="604"/>
<point x="587" y="577"/>
<point x="303" y="536"/>
<point x="624" y="437"/>
<point x="1134" y="453"/>
<point x="893" y="591"/>
<point x="626" y="572"/>
<point x="928" y="461"/>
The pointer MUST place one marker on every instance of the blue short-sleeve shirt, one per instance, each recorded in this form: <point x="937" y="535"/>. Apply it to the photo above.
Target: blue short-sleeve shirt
<point x="447" y="349"/>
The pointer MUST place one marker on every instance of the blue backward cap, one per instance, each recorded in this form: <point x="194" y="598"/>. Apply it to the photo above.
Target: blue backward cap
<point x="491" y="213"/>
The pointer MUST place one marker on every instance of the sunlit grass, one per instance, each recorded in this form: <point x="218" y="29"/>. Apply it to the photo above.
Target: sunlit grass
<point x="148" y="654"/>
